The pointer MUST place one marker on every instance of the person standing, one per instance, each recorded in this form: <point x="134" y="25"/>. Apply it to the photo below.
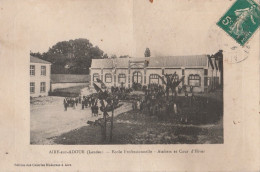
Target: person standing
<point x="76" y="101"/>
<point x="73" y="103"/>
<point x="65" y="103"/>
<point x="83" y="103"/>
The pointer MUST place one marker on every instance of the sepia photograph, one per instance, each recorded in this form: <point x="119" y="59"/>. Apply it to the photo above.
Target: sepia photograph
<point x="100" y="81"/>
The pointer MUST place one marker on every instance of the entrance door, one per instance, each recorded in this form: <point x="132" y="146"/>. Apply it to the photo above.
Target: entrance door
<point x="137" y="77"/>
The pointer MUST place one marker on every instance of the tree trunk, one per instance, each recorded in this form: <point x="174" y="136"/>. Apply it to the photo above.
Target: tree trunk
<point x="112" y="119"/>
<point x="105" y="125"/>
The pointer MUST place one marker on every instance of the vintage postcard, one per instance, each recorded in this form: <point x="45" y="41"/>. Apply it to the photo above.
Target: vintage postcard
<point x="113" y="85"/>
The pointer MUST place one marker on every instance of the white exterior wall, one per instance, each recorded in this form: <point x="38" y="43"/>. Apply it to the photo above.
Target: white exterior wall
<point x="38" y="78"/>
<point x="171" y="71"/>
<point x="149" y="71"/>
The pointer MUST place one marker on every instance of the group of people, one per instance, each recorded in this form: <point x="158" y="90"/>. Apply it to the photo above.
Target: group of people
<point x="92" y="102"/>
<point x="70" y="102"/>
<point x="85" y="101"/>
<point x="156" y="103"/>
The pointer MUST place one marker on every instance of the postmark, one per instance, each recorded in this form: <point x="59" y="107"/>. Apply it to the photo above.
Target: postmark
<point x="241" y="20"/>
<point x="232" y="51"/>
<point x="235" y="54"/>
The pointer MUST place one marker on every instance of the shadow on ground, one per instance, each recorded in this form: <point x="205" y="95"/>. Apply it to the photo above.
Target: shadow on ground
<point x="135" y="128"/>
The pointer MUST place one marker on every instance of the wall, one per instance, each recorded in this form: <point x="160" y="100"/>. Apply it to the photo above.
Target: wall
<point x="149" y="71"/>
<point x="38" y="78"/>
<point x="65" y="85"/>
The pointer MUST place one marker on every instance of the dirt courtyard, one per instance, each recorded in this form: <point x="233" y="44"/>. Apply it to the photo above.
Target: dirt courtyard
<point x="50" y="124"/>
<point x="48" y="118"/>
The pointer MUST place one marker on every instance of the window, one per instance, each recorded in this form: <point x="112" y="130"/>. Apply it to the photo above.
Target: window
<point x="205" y="71"/>
<point x="121" y="78"/>
<point x="32" y="70"/>
<point x="108" y="78"/>
<point x="32" y="87"/>
<point x="43" y="87"/>
<point x="154" y="79"/>
<point x="95" y="76"/>
<point x="43" y="70"/>
<point x="194" y="80"/>
<point x="137" y="77"/>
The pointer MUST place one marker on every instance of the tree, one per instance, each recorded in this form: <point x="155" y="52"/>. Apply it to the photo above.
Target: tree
<point x="147" y="53"/>
<point x="171" y="83"/>
<point x="36" y="54"/>
<point x="113" y="56"/>
<point x="219" y="57"/>
<point x="108" y="104"/>
<point x="105" y="56"/>
<point x="73" y="56"/>
<point x="125" y="56"/>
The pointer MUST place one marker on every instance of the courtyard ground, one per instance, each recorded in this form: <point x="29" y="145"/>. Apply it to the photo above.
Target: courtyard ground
<point x="50" y="124"/>
<point x="48" y="118"/>
<point x="133" y="128"/>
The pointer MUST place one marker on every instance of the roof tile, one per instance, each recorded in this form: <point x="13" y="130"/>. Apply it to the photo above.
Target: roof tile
<point x="168" y="61"/>
<point x="37" y="60"/>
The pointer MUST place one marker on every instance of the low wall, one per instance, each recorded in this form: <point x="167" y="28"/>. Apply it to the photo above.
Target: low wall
<point x="66" y="85"/>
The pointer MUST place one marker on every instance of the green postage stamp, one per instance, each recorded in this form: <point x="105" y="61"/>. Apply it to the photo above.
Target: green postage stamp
<point x="241" y="20"/>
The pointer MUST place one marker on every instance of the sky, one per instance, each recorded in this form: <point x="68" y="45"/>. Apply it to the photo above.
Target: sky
<point x="126" y="27"/>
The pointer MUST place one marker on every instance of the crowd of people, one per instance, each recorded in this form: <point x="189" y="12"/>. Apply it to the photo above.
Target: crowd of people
<point x="85" y="101"/>
<point x="155" y="101"/>
<point x="70" y="102"/>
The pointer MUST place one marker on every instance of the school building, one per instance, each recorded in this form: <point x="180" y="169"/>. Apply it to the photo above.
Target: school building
<point x="40" y="72"/>
<point x="200" y="71"/>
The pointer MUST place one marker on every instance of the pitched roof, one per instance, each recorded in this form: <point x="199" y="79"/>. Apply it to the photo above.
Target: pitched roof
<point x="104" y="63"/>
<point x="37" y="60"/>
<point x="162" y="62"/>
<point x="69" y="78"/>
<point x="179" y="61"/>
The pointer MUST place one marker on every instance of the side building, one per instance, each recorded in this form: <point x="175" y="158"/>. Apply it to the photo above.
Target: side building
<point x="200" y="71"/>
<point x="68" y="80"/>
<point x="40" y="72"/>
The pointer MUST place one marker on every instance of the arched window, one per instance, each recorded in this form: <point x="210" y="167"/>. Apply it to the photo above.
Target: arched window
<point x="95" y="76"/>
<point x="108" y="78"/>
<point x="137" y="77"/>
<point x="194" y="80"/>
<point x="154" y="79"/>
<point x="121" y="78"/>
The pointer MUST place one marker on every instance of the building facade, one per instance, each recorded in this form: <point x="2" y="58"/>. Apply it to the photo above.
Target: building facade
<point x="40" y="72"/>
<point x="199" y="71"/>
